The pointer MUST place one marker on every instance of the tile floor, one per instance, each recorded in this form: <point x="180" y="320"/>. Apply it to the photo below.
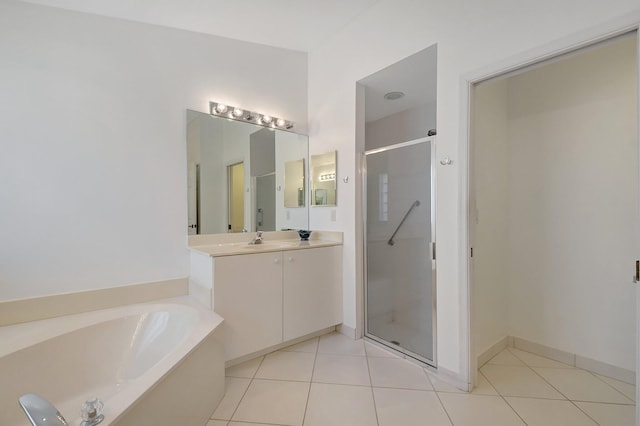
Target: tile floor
<point x="333" y="380"/>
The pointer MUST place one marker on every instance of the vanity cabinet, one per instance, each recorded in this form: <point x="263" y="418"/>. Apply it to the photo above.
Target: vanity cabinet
<point x="312" y="289"/>
<point x="270" y="298"/>
<point x="247" y="293"/>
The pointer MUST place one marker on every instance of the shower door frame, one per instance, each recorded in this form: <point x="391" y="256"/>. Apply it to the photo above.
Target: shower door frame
<point x="432" y="251"/>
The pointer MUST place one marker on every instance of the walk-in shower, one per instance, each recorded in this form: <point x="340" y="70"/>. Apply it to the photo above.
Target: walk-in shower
<point x="399" y="234"/>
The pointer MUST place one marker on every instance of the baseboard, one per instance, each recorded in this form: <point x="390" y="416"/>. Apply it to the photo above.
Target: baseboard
<point x="56" y="305"/>
<point x="545" y="351"/>
<point x="249" y="357"/>
<point x="605" y="369"/>
<point x="346" y="330"/>
<point x="575" y="360"/>
<point x="200" y="294"/>
<point x="493" y="350"/>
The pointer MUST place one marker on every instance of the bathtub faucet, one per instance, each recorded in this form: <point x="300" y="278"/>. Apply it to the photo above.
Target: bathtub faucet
<point x="40" y="411"/>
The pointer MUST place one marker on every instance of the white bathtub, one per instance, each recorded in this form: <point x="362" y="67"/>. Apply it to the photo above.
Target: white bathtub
<point x="159" y="363"/>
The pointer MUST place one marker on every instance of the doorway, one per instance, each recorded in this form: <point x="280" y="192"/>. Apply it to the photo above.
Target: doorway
<point x="553" y="209"/>
<point x="235" y="174"/>
<point x="400" y="281"/>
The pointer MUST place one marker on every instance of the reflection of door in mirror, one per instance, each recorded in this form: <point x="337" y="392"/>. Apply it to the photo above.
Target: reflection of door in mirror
<point x="266" y="202"/>
<point x="236" y="197"/>
<point x="192" y="196"/>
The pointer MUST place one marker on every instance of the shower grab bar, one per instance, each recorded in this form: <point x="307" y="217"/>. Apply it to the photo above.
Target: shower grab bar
<point x="416" y="203"/>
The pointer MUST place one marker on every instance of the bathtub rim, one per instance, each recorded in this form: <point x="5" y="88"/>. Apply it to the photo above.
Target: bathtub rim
<point x="20" y="336"/>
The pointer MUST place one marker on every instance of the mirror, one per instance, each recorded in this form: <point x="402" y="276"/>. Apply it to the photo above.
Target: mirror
<point x="237" y="176"/>
<point x="323" y="178"/>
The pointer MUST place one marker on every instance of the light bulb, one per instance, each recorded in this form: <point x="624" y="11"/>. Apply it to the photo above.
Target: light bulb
<point x="237" y="112"/>
<point x="280" y="122"/>
<point x="220" y="108"/>
<point x="266" y="119"/>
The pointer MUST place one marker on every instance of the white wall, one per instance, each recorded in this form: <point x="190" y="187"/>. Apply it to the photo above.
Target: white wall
<point x="490" y="215"/>
<point x="573" y="197"/>
<point x="470" y="36"/>
<point x="92" y="135"/>
<point x="403" y="126"/>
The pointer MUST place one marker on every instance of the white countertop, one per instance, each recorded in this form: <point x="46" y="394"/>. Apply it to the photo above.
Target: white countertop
<point x="238" y="244"/>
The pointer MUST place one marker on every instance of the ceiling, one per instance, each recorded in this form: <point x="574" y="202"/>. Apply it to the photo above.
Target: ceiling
<point x="291" y="24"/>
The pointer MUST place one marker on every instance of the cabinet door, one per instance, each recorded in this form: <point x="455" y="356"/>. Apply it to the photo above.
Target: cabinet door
<point x="312" y="290"/>
<point x="247" y="293"/>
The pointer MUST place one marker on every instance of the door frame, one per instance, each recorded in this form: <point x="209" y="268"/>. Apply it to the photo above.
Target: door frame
<point x="527" y="59"/>
<point x="432" y="247"/>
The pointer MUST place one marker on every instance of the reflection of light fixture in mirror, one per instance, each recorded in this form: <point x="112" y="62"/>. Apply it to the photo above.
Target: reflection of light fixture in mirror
<point x="327" y="177"/>
<point x="235" y="113"/>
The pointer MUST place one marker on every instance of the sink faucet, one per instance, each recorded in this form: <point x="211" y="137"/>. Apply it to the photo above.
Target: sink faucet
<point x="40" y="411"/>
<point x="257" y="239"/>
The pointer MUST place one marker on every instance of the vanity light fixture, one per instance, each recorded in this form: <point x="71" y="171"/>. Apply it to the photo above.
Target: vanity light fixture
<point x="235" y="113"/>
<point x="327" y="177"/>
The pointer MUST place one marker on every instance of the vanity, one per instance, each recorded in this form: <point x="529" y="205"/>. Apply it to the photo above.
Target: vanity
<point x="270" y="294"/>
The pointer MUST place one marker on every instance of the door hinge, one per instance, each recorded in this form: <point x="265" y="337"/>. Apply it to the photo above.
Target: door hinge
<point x="433" y="251"/>
<point x="471" y="251"/>
<point x="636" y="277"/>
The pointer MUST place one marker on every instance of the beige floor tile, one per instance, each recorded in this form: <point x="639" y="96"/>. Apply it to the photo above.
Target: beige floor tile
<point x="338" y="344"/>
<point x="273" y="401"/>
<point x="442" y="386"/>
<point x="234" y="389"/>
<point x="340" y="405"/>
<point x="549" y="412"/>
<point x="580" y="385"/>
<point x="505" y="358"/>
<point x="310" y="346"/>
<point x="610" y="414"/>
<point x="409" y="407"/>
<point x="511" y="380"/>
<point x="479" y="410"/>
<point x="483" y="387"/>
<point x="217" y="423"/>
<point x="295" y="366"/>
<point x="397" y="373"/>
<point x="533" y="360"/>
<point x="248" y="424"/>
<point x="246" y="369"/>
<point x="627" y="389"/>
<point x="378" y="352"/>
<point x="341" y="369"/>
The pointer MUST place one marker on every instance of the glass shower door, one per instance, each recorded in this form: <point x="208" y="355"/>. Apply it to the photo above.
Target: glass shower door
<point x="400" y="230"/>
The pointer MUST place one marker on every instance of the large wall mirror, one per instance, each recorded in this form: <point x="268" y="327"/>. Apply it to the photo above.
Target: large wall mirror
<point x="244" y="177"/>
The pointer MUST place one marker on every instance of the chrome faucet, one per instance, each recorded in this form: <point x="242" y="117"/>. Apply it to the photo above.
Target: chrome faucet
<point x="257" y="239"/>
<point x="40" y="411"/>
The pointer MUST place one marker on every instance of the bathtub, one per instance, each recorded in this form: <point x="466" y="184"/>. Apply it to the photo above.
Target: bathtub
<point x="159" y="363"/>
